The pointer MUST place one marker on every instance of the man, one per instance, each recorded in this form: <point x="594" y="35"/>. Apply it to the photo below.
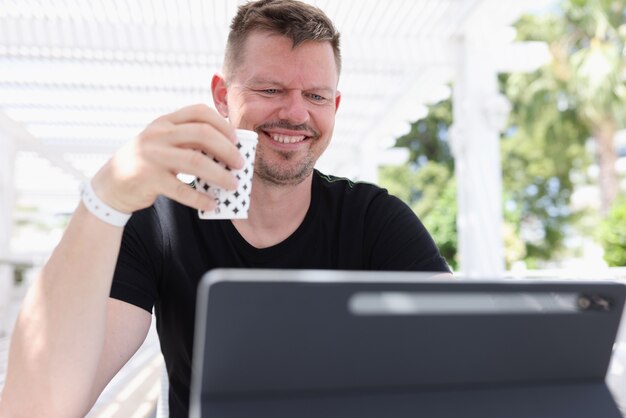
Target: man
<point x="90" y="308"/>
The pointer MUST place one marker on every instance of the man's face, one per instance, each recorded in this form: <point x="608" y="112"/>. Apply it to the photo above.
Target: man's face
<point x="289" y="96"/>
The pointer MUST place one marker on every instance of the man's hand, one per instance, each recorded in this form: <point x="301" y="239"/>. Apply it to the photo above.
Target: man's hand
<point x="147" y="166"/>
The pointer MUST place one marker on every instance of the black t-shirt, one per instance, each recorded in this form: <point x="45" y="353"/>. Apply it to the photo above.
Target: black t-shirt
<point x="166" y="249"/>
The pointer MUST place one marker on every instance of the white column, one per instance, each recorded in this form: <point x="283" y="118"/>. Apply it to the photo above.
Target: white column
<point x="479" y="113"/>
<point x="7" y="202"/>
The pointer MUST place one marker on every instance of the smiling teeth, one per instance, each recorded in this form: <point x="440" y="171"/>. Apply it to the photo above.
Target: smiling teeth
<point x="287" y="139"/>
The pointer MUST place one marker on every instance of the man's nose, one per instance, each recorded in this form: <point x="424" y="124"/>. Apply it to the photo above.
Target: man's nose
<point x="294" y="108"/>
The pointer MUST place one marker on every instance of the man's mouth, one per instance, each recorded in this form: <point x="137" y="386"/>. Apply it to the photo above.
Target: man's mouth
<point x="286" y="134"/>
<point x="287" y="139"/>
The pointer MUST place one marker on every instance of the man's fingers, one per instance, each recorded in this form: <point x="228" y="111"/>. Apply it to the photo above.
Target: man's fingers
<point x="179" y="160"/>
<point x="172" y="144"/>
<point x="202" y="114"/>
<point x="186" y="195"/>
<point x="207" y="138"/>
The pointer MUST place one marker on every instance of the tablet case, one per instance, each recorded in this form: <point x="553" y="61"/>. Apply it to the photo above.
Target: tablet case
<point x="286" y="343"/>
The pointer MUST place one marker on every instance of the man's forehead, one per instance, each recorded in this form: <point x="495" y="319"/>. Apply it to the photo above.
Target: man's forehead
<point x="304" y="71"/>
<point x="261" y="37"/>
<point x="259" y="40"/>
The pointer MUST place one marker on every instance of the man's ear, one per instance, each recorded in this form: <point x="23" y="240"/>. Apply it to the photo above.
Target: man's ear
<point x="337" y="100"/>
<point x="220" y="94"/>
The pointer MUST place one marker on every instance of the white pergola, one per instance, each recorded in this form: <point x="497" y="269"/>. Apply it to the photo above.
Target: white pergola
<point x="80" y="77"/>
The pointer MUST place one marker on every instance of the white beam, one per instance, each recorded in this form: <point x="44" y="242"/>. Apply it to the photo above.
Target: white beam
<point x="76" y="146"/>
<point x="480" y="113"/>
<point x="24" y="138"/>
<point x="488" y="12"/>
<point x="477" y="113"/>
<point x="404" y="107"/>
<point x="7" y="205"/>
<point x="522" y="56"/>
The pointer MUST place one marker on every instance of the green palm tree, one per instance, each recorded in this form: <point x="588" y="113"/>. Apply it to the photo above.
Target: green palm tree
<point x="592" y="59"/>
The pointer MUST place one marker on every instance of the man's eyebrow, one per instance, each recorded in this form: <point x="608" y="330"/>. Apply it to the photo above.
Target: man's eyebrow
<point x="269" y="81"/>
<point x="321" y="88"/>
<point x="263" y="81"/>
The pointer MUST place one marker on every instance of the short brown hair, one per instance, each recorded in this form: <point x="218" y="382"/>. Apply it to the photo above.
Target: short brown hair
<point x="294" y="19"/>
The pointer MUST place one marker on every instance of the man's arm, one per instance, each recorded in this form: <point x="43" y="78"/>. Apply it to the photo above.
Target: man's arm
<point x="58" y="341"/>
<point x="126" y="329"/>
<point x="69" y="339"/>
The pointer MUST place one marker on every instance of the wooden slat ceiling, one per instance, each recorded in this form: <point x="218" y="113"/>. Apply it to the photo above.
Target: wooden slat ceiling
<point x="84" y="76"/>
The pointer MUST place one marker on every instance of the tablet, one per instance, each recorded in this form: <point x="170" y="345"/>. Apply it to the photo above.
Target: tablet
<point x="311" y="343"/>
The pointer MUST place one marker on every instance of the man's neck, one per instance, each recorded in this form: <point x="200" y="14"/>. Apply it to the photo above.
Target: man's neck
<point x="276" y="211"/>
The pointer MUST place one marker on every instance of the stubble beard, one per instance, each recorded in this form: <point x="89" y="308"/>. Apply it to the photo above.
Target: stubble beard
<point x="280" y="175"/>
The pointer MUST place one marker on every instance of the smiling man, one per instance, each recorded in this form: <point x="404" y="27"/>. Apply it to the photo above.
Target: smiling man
<point x="90" y="308"/>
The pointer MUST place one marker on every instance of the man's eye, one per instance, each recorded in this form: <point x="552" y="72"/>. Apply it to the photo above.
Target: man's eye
<point x="317" y="97"/>
<point x="270" y="92"/>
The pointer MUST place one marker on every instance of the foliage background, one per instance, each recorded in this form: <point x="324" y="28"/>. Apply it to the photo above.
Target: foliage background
<point x="577" y="99"/>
